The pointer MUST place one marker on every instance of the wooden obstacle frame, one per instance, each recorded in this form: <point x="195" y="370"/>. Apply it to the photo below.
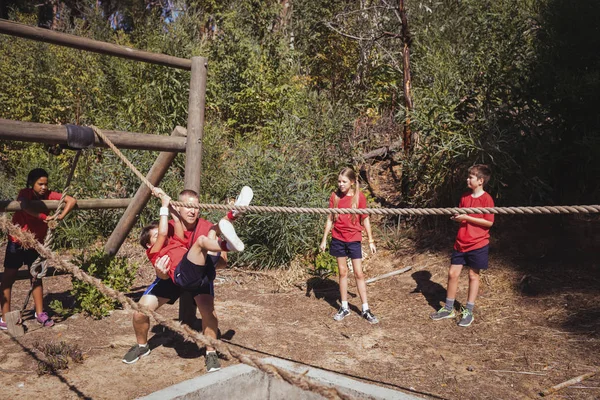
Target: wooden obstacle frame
<point x="181" y="140"/>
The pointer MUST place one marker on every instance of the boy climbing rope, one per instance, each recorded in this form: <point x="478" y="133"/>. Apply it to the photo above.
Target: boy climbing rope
<point x="32" y="220"/>
<point x="178" y="268"/>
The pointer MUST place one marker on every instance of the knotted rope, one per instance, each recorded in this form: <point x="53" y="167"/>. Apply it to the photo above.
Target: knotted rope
<point x="535" y="210"/>
<point x="28" y="241"/>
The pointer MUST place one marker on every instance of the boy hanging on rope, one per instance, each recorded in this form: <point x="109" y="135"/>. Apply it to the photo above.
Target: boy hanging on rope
<point x="471" y="245"/>
<point x="178" y="268"/>
<point x="30" y="219"/>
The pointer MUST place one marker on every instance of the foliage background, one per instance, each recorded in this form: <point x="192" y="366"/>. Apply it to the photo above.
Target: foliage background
<point x="297" y="89"/>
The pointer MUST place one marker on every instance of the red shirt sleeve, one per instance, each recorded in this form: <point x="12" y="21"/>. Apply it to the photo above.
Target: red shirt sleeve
<point x="54" y="196"/>
<point x="332" y="200"/>
<point x="362" y="203"/>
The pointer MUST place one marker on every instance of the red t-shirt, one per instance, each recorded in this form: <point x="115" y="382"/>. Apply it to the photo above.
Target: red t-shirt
<point x="28" y="222"/>
<point x="175" y="247"/>
<point x="203" y="227"/>
<point x="345" y="227"/>
<point x="471" y="236"/>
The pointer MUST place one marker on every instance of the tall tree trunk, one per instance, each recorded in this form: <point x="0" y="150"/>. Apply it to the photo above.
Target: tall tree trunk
<point x="409" y="138"/>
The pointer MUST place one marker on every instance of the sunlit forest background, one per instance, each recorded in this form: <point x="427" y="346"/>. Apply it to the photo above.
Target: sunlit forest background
<point x="298" y="89"/>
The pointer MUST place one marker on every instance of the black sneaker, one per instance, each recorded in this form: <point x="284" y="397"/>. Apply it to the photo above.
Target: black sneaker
<point x="341" y="314"/>
<point x="135" y="353"/>
<point x="212" y="362"/>
<point x="368" y="315"/>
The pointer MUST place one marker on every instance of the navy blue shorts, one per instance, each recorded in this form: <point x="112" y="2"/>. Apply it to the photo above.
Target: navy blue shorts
<point x="194" y="278"/>
<point x="16" y="256"/>
<point x="339" y="248"/>
<point x="476" y="259"/>
<point x="164" y="288"/>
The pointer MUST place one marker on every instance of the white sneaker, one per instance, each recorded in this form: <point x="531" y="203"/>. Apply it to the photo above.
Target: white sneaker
<point x="228" y="232"/>
<point x="243" y="199"/>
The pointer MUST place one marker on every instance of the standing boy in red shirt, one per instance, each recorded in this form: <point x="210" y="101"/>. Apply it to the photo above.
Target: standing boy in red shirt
<point x="471" y="246"/>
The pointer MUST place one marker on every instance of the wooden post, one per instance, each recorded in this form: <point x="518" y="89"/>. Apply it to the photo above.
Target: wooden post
<point x="57" y="134"/>
<point x="195" y="127"/>
<point x="82" y="204"/>
<point x="193" y="158"/>
<point x="81" y="43"/>
<point x="130" y="216"/>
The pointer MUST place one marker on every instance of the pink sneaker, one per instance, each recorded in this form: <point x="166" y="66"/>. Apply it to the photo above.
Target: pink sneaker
<point x="44" y="320"/>
<point x="3" y="325"/>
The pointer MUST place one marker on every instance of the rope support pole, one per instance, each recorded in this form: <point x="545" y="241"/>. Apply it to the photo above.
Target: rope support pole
<point x="533" y="210"/>
<point x="29" y="241"/>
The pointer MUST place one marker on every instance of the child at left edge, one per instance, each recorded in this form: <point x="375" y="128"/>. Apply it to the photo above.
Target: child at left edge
<point x="30" y="219"/>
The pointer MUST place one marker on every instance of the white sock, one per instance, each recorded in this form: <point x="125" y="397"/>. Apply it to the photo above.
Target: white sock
<point x="143" y="345"/>
<point x="365" y="306"/>
<point x="211" y="351"/>
<point x="345" y="305"/>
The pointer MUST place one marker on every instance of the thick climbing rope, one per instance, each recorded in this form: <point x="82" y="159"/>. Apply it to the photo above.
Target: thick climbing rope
<point x="49" y="239"/>
<point x="299" y="380"/>
<point x="534" y="210"/>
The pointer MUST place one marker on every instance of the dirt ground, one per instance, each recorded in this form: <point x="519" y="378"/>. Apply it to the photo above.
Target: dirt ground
<point x="537" y="324"/>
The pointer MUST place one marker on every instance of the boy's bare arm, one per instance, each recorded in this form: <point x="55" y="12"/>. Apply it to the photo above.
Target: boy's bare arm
<point x="163" y="223"/>
<point x="475" y="221"/>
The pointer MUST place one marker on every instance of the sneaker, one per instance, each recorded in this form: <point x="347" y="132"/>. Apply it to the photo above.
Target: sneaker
<point x="44" y="319"/>
<point x="228" y="232"/>
<point x="3" y="325"/>
<point x="368" y="315"/>
<point x="341" y="314"/>
<point x="466" y="317"/>
<point x="135" y="353"/>
<point x="243" y="199"/>
<point x="442" y="313"/>
<point x="212" y="362"/>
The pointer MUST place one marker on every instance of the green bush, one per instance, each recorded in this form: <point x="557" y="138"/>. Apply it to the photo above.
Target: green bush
<point x="115" y="272"/>
<point x="325" y="265"/>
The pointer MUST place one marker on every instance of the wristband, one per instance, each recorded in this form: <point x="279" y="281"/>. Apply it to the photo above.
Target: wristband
<point x="164" y="211"/>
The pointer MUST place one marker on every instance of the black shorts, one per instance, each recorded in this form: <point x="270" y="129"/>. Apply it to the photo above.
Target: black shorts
<point x="340" y="248"/>
<point x="195" y="278"/>
<point x="16" y="256"/>
<point x="476" y="259"/>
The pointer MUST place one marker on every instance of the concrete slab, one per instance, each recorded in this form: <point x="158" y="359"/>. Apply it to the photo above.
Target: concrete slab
<point x="244" y="382"/>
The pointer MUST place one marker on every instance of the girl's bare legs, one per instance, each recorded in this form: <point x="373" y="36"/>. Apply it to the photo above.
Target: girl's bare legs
<point x="343" y="270"/>
<point x="360" y="279"/>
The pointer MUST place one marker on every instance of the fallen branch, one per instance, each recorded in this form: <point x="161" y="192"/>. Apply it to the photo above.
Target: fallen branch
<point x="400" y="271"/>
<point x="568" y="383"/>
<point x="517" y="372"/>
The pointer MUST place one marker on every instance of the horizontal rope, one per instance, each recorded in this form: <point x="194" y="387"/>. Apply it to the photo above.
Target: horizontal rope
<point x="534" y="210"/>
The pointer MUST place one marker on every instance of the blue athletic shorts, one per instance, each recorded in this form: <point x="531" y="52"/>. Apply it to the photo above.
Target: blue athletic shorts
<point x="197" y="279"/>
<point x="164" y="288"/>
<point x="339" y="248"/>
<point x="476" y="259"/>
<point x="16" y="256"/>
